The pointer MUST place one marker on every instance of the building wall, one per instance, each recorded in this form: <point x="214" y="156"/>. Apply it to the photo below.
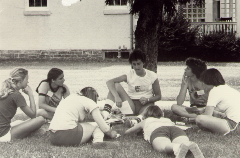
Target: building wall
<point x="80" y="26"/>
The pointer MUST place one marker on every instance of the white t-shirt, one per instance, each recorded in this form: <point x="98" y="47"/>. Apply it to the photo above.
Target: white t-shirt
<point x="152" y="123"/>
<point x="70" y="111"/>
<point x="227" y="100"/>
<point x="140" y="86"/>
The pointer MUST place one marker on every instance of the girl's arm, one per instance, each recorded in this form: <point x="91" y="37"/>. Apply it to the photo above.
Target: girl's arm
<point x="137" y="128"/>
<point x="157" y="94"/>
<point x="29" y="111"/>
<point x="112" y="88"/>
<point x="67" y="93"/>
<point x="43" y="88"/>
<point x="156" y="91"/>
<point x="209" y="110"/>
<point x="183" y="91"/>
<point x="102" y="124"/>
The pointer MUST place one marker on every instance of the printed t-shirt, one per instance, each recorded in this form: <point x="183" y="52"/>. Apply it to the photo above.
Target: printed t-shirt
<point x="140" y="86"/>
<point x="70" y="111"/>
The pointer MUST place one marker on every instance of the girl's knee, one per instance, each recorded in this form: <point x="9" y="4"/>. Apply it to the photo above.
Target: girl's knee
<point x="174" y="107"/>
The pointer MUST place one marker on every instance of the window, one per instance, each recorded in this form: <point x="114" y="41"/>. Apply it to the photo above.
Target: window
<point x="192" y="12"/>
<point x="228" y="9"/>
<point x="37" y="3"/>
<point x="118" y="2"/>
<point x="117" y="7"/>
<point x="37" y="8"/>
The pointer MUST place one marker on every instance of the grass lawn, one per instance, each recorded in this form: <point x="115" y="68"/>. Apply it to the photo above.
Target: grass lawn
<point x="95" y="74"/>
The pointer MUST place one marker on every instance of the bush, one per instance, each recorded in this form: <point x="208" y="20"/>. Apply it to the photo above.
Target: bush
<point x="175" y="37"/>
<point x="220" y="46"/>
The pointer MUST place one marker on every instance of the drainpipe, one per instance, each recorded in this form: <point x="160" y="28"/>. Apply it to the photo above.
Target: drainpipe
<point x="131" y="31"/>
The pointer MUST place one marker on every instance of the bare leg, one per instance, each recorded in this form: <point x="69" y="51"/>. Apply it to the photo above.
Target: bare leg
<point x="45" y="114"/>
<point x="123" y="94"/>
<point x="143" y="109"/>
<point x="87" y="131"/>
<point x="181" y="111"/>
<point x="163" y="144"/>
<point x="24" y="129"/>
<point x="214" y="124"/>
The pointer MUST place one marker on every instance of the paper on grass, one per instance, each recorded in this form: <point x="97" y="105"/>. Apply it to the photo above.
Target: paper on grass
<point x="183" y="127"/>
<point x="126" y="109"/>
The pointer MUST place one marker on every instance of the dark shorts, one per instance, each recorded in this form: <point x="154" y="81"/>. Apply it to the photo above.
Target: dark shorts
<point x="139" y="106"/>
<point x="198" y="105"/>
<point x="170" y="132"/>
<point x="232" y="124"/>
<point x="71" y="137"/>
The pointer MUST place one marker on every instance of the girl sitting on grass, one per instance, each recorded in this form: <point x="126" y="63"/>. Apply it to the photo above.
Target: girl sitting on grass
<point x="164" y="135"/>
<point x="10" y="100"/>
<point x="50" y="93"/>
<point x="143" y="89"/>
<point x="67" y="127"/>
<point x="222" y="113"/>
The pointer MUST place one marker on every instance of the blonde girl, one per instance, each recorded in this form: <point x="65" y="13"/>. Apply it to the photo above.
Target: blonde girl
<point x="10" y="100"/>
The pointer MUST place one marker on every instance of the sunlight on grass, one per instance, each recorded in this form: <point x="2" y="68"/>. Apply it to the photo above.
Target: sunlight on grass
<point x="95" y="74"/>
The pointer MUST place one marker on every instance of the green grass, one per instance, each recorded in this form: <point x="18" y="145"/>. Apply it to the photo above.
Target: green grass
<point x="80" y="74"/>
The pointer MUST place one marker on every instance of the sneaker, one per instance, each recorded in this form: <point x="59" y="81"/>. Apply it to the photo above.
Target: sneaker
<point x="182" y="151"/>
<point x="193" y="147"/>
<point x="105" y="145"/>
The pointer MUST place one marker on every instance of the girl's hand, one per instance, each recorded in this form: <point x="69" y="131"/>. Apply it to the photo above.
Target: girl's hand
<point x="112" y="134"/>
<point x="27" y="90"/>
<point x="143" y="100"/>
<point x="118" y="101"/>
<point x="185" y="79"/>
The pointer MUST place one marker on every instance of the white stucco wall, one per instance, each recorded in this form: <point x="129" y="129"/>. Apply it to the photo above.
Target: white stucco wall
<point x="80" y="26"/>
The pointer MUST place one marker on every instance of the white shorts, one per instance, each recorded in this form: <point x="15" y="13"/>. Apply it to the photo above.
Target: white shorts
<point x="6" y="137"/>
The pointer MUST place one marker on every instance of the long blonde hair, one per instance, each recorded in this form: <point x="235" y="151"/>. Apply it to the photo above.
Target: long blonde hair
<point x="10" y="84"/>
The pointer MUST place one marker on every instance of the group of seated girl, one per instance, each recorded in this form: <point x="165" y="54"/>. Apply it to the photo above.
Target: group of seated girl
<point x="213" y="107"/>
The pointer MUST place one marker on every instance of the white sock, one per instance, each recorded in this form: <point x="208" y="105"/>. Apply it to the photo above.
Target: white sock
<point x="109" y="102"/>
<point x="176" y="148"/>
<point x="139" y="118"/>
<point x="98" y="135"/>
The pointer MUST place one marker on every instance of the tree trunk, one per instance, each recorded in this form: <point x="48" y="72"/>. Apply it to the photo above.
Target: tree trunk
<point x="146" y="36"/>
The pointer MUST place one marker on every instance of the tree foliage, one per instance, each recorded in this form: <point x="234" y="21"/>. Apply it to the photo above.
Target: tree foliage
<point x="150" y="22"/>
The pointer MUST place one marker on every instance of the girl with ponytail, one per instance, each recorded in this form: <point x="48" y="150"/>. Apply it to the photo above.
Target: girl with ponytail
<point x="10" y="100"/>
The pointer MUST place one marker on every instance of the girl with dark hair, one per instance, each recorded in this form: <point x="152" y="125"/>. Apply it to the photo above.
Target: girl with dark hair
<point x="192" y="84"/>
<point x="143" y="89"/>
<point x="222" y="111"/>
<point x="50" y="93"/>
<point x="67" y="127"/>
<point x="10" y="100"/>
<point x="164" y="135"/>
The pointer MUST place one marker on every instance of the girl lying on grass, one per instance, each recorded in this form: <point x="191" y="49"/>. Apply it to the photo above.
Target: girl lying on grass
<point x="67" y="127"/>
<point x="10" y="100"/>
<point x="50" y="93"/>
<point x="222" y="113"/>
<point x="164" y="135"/>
